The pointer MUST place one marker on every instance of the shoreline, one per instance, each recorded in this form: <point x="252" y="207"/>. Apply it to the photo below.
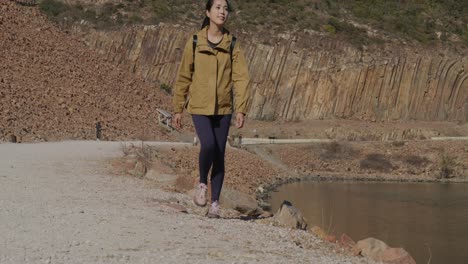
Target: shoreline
<point x="264" y="196"/>
<point x="70" y="208"/>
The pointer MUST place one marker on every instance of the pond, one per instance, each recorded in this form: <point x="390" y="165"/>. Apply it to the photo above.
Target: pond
<point x="426" y="219"/>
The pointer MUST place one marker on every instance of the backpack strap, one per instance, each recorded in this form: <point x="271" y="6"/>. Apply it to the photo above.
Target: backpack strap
<point x="233" y="43"/>
<point x="194" y="46"/>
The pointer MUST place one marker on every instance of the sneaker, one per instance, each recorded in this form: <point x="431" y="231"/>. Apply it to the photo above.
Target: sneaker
<point x="200" y="195"/>
<point x="213" y="212"/>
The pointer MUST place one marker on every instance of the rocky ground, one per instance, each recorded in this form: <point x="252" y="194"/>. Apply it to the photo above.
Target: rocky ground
<point x="254" y="166"/>
<point x="52" y="87"/>
<point x="62" y="206"/>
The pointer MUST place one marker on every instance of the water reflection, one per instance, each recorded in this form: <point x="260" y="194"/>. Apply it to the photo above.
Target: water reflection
<point x="415" y="216"/>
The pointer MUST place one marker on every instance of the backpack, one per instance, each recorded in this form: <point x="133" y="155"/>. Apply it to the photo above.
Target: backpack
<point x="194" y="45"/>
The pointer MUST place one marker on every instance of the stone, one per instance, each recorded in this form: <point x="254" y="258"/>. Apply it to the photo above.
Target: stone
<point x="164" y="179"/>
<point x="185" y="184"/>
<point x="177" y="207"/>
<point x="139" y="170"/>
<point x="319" y="232"/>
<point x="290" y="216"/>
<point x="371" y="248"/>
<point x="239" y="201"/>
<point x="347" y="242"/>
<point x="265" y="214"/>
<point x="396" y="256"/>
<point x="330" y="238"/>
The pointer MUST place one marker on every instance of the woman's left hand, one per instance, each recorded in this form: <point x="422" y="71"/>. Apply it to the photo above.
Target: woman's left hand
<point x="239" y="120"/>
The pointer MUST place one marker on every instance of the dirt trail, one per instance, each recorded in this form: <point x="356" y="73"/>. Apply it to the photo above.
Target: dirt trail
<point x="58" y="204"/>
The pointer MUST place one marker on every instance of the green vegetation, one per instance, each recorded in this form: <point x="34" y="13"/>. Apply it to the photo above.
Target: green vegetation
<point x="425" y="21"/>
<point x="420" y="19"/>
<point x="166" y="88"/>
<point x="335" y="150"/>
<point x="53" y="8"/>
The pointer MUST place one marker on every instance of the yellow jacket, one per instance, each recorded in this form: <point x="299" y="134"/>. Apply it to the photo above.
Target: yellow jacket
<point x="210" y="91"/>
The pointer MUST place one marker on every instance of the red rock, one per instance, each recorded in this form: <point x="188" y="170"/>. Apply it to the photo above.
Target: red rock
<point x="347" y="242"/>
<point x="330" y="238"/>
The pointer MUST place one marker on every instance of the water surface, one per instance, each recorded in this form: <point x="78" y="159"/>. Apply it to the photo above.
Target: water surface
<point x="427" y="219"/>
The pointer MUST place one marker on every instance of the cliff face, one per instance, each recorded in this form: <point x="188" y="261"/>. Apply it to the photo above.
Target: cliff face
<point x="320" y="79"/>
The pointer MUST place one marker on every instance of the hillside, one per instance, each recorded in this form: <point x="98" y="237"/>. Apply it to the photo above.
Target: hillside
<point x="54" y="87"/>
<point x="360" y="22"/>
<point x="309" y="59"/>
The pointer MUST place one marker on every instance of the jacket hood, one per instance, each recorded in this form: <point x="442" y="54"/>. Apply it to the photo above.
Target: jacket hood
<point x="225" y="43"/>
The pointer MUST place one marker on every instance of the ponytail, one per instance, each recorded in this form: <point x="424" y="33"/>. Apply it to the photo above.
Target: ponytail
<point x="206" y="22"/>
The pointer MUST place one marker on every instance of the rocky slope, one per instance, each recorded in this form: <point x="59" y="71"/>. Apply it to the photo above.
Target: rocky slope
<point x="52" y="86"/>
<point x="310" y="77"/>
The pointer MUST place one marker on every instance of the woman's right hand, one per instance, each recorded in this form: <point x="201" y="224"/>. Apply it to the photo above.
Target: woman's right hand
<point x="177" y="120"/>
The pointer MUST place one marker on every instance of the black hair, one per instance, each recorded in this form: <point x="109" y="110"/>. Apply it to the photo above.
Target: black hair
<point x="209" y="4"/>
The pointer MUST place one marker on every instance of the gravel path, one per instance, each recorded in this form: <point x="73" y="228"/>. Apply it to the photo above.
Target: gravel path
<point x="60" y="204"/>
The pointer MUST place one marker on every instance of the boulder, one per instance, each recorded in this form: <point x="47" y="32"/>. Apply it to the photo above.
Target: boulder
<point x="371" y="248"/>
<point x="396" y="256"/>
<point x="379" y="251"/>
<point x="177" y="207"/>
<point x="162" y="179"/>
<point x="319" y="232"/>
<point x="290" y="216"/>
<point x="239" y="201"/>
<point x="139" y="170"/>
<point x="347" y="242"/>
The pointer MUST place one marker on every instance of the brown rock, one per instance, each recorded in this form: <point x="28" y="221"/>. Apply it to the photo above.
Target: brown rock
<point x="184" y="184"/>
<point x="265" y="214"/>
<point x="39" y="59"/>
<point x="177" y="207"/>
<point x="290" y="216"/>
<point x="239" y="201"/>
<point x="347" y="242"/>
<point x="163" y="179"/>
<point x="371" y="248"/>
<point x="319" y="232"/>
<point x="330" y="238"/>
<point x="139" y="170"/>
<point x="396" y="256"/>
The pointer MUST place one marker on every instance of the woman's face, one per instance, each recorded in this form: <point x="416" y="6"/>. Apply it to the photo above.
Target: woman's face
<point x="218" y="13"/>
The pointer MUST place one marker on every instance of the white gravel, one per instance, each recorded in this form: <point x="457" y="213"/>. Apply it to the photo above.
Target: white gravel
<point x="60" y="204"/>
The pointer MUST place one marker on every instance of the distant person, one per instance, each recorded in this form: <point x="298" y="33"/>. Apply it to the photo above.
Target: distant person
<point x="212" y="85"/>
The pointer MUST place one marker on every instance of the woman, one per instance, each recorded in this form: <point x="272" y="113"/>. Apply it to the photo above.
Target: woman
<point x="212" y="86"/>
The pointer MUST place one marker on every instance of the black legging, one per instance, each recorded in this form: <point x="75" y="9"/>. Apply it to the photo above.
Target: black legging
<point x="212" y="132"/>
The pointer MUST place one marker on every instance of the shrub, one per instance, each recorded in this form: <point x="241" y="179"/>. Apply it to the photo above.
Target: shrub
<point x="377" y="162"/>
<point x="53" y="7"/>
<point x="166" y="88"/>
<point x="336" y="150"/>
<point x="446" y="166"/>
<point x="416" y="161"/>
<point x="398" y="143"/>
